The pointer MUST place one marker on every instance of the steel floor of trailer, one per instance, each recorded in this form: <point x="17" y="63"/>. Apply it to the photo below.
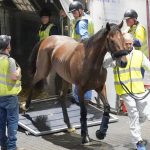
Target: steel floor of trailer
<point x="45" y="116"/>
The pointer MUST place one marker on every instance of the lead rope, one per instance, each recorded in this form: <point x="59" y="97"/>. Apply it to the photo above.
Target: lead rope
<point x="131" y="94"/>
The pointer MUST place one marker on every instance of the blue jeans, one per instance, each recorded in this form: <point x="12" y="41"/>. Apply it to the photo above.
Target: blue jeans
<point x="9" y="116"/>
<point x="87" y="95"/>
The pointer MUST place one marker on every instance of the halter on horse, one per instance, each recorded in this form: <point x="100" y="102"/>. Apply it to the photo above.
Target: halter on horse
<point x="80" y="63"/>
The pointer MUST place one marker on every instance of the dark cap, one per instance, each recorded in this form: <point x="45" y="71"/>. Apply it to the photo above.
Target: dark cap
<point x="45" y="12"/>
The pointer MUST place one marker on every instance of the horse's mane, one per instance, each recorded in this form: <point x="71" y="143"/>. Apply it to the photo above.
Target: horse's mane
<point x="93" y="43"/>
<point x="88" y="42"/>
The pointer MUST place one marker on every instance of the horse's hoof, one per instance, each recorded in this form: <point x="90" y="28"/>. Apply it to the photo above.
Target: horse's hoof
<point x="100" y="135"/>
<point x="85" y="140"/>
<point x="23" y="107"/>
<point x="70" y="130"/>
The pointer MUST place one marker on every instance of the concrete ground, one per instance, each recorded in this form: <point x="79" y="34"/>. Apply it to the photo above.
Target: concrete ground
<point x="118" y="138"/>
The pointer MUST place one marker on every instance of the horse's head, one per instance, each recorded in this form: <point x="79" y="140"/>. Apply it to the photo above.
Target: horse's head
<point x="115" y="44"/>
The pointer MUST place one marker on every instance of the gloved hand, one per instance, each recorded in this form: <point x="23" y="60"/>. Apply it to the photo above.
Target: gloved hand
<point x="136" y="43"/>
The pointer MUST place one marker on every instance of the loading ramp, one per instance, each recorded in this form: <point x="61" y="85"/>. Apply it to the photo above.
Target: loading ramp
<point x="45" y="116"/>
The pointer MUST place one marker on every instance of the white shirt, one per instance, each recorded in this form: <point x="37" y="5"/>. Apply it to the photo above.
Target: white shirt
<point x="109" y="62"/>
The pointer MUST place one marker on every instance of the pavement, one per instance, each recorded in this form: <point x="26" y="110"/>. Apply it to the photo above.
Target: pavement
<point x="118" y="138"/>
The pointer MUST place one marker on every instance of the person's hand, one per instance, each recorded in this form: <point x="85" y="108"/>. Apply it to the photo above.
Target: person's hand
<point x="62" y="13"/>
<point x="136" y="43"/>
<point x="18" y="72"/>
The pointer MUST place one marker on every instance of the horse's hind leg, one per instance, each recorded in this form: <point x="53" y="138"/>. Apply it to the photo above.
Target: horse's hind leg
<point x="58" y="84"/>
<point x="101" y="133"/>
<point x="63" y="96"/>
<point x="43" y="67"/>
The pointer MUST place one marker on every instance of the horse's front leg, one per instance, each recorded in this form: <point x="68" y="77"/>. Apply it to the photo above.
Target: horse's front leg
<point x="101" y="133"/>
<point x="63" y="96"/>
<point x="83" y="119"/>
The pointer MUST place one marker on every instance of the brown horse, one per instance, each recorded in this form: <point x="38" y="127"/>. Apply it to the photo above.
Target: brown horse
<point x="81" y="63"/>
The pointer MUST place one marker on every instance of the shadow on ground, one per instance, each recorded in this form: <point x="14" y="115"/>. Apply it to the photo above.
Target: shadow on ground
<point x="73" y="141"/>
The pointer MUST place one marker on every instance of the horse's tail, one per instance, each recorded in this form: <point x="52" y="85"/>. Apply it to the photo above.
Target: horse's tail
<point x="33" y="58"/>
<point x="32" y="65"/>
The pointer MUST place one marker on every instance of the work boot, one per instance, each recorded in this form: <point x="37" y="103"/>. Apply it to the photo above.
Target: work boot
<point x="141" y="145"/>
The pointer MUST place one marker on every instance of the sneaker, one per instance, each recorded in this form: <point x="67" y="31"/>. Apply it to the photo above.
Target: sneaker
<point x="141" y="145"/>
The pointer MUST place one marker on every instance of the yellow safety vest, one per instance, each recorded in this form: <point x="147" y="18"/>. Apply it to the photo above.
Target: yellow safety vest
<point x="90" y="27"/>
<point x="45" y="33"/>
<point x="7" y="86"/>
<point x="131" y="75"/>
<point x="139" y="32"/>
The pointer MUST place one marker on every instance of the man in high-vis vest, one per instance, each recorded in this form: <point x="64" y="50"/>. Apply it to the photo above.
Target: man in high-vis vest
<point x="82" y="28"/>
<point x="10" y="86"/>
<point x="138" y="32"/>
<point x="47" y="28"/>
<point x="129" y="80"/>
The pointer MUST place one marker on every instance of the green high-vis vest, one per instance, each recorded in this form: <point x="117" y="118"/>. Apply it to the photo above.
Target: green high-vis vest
<point x="45" y="33"/>
<point x="7" y="86"/>
<point x="130" y="75"/>
<point x="90" y="28"/>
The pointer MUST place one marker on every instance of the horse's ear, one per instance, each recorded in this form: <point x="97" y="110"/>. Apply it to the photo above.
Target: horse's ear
<point x="120" y="25"/>
<point x="108" y="26"/>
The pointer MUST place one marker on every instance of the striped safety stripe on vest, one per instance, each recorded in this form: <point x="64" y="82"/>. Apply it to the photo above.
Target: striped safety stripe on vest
<point x="131" y="75"/>
<point x="7" y="86"/>
<point x="45" y="33"/>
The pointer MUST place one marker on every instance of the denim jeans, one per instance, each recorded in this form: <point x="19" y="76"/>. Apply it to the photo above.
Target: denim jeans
<point x="9" y="116"/>
<point x="87" y="95"/>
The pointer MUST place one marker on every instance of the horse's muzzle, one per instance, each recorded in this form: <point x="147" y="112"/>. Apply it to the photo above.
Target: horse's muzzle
<point x="120" y="53"/>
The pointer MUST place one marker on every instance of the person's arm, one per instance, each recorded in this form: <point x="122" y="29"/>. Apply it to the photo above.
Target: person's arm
<point x="82" y="29"/>
<point x="37" y="33"/>
<point x="146" y="63"/>
<point x="54" y="31"/>
<point x="108" y="61"/>
<point x="15" y="72"/>
<point x="140" y="35"/>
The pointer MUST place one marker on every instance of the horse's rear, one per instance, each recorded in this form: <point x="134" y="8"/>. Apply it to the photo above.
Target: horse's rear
<point x="60" y="53"/>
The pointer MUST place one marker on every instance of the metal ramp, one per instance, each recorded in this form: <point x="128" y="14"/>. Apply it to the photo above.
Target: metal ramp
<point x="45" y="116"/>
